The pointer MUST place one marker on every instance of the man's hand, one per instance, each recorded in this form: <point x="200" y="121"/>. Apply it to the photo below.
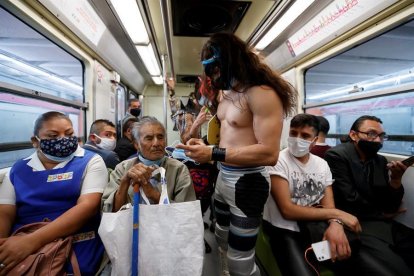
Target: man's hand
<point x="202" y="117"/>
<point x="197" y="150"/>
<point x="396" y="170"/>
<point x="393" y="215"/>
<point x="338" y="242"/>
<point x="140" y="175"/>
<point x="350" y="221"/>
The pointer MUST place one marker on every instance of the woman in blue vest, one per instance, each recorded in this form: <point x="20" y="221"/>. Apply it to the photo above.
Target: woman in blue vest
<point x="60" y="182"/>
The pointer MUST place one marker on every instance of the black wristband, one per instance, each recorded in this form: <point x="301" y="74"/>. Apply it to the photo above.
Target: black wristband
<point x="218" y="154"/>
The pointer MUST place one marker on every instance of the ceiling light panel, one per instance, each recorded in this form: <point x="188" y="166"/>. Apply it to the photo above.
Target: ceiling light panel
<point x="281" y="24"/>
<point x="147" y="55"/>
<point x="158" y="80"/>
<point x="129" y="14"/>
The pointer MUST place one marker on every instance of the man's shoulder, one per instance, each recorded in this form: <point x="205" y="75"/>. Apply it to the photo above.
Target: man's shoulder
<point x="284" y="154"/>
<point x="88" y="146"/>
<point x="172" y="164"/>
<point x="318" y="160"/>
<point x="341" y="148"/>
<point x="259" y="90"/>
<point x="284" y="161"/>
<point x="110" y="154"/>
<point x="123" y="141"/>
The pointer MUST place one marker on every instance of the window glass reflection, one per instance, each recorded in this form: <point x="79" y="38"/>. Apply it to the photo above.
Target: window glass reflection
<point x="29" y="60"/>
<point x="395" y="111"/>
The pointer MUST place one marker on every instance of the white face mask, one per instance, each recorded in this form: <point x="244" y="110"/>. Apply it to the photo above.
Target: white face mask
<point x="298" y="147"/>
<point x="106" y="143"/>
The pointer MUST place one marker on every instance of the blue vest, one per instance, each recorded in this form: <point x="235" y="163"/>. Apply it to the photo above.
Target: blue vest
<point x="45" y="195"/>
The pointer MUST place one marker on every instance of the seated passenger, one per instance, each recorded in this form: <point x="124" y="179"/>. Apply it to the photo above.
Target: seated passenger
<point x="149" y="136"/>
<point x="102" y="140"/>
<point x="125" y="144"/>
<point x="321" y="147"/>
<point x="299" y="181"/>
<point x="370" y="188"/>
<point x="60" y="182"/>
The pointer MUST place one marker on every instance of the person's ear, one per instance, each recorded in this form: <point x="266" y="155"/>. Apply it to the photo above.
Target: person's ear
<point x="93" y="138"/>
<point x="353" y="135"/>
<point x="136" y="146"/>
<point x="313" y="142"/>
<point x="34" y="141"/>
<point x="216" y="70"/>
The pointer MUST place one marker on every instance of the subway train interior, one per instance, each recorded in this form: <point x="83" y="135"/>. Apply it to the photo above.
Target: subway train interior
<point x="87" y="58"/>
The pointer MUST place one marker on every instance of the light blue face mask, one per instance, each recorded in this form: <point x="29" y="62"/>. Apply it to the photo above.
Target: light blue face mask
<point x="178" y="154"/>
<point x="58" y="159"/>
<point x="147" y="162"/>
<point x="202" y="101"/>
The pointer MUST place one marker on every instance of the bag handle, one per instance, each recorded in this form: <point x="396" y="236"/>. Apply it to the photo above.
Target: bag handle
<point x="164" y="200"/>
<point x="75" y="264"/>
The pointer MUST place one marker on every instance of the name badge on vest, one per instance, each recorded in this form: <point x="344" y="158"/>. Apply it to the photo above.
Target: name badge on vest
<point x="60" y="177"/>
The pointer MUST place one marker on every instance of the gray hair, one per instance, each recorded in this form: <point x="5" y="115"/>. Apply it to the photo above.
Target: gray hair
<point x="136" y="127"/>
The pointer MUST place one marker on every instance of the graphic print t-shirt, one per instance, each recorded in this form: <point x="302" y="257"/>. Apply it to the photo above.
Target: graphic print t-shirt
<point x="307" y="183"/>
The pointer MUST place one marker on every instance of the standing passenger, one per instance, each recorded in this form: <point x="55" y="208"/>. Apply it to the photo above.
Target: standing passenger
<point x="102" y="140"/>
<point x="60" y="182"/>
<point x="133" y="112"/>
<point x="321" y="147"/>
<point x="134" y="108"/>
<point x="125" y="145"/>
<point x="251" y="111"/>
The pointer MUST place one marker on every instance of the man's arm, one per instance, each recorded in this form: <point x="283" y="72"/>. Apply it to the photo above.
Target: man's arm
<point x="335" y="234"/>
<point x="291" y="211"/>
<point x="112" y="160"/>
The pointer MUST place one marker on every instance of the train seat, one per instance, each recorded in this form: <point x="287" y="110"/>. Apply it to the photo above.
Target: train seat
<point x="3" y="173"/>
<point x="267" y="262"/>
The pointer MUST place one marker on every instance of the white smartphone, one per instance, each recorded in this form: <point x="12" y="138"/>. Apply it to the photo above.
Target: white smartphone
<point x="322" y="250"/>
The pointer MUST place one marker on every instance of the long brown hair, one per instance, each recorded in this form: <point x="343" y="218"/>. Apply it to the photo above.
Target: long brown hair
<point x="241" y="68"/>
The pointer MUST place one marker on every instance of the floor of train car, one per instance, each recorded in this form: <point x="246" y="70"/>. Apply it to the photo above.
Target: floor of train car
<point x="211" y="260"/>
<point x="211" y="265"/>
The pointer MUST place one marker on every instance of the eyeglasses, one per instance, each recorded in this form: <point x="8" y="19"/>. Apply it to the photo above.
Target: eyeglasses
<point x="373" y="135"/>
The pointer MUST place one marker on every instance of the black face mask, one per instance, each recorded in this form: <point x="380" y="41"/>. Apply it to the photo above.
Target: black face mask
<point x="135" y="111"/>
<point x="369" y="148"/>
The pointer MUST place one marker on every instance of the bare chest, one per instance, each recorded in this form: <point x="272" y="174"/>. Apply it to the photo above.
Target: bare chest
<point x="234" y="112"/>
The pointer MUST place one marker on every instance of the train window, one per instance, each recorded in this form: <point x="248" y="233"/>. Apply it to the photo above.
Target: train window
<point x="29" y="60"/>
<point x="19" y="114"/>
<point x="36" y="76"/>
<point x="374" y="78"/>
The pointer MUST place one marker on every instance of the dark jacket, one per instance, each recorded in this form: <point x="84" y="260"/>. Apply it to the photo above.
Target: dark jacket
<point x="124" y="148"/>
<point x="362" y="188"/>
<point x="110" y="158"/>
